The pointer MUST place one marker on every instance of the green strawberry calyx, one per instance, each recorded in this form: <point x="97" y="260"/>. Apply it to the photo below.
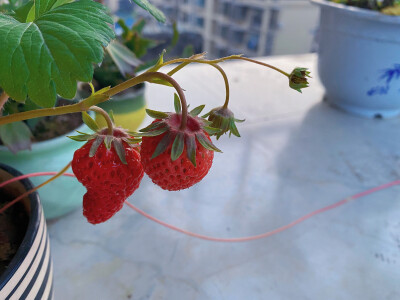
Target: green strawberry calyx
<point x="223" y="119"/>
<point x="103" y="135"/>
<point x="169" y="125"/>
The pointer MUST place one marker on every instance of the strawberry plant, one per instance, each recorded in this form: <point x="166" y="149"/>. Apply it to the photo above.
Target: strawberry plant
<point x="47" y="46"/>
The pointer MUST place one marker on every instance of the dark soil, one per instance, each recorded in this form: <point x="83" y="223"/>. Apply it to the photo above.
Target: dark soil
<point x="54" y="126"/>
<point x="13" y="225"/>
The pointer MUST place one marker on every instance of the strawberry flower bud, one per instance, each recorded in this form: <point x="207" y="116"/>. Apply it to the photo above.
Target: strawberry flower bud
<point x="223" y="119"/>
<point x="298" y="79"/>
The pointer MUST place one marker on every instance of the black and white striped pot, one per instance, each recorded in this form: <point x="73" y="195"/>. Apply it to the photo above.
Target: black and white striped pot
<point x="30" y="273"/>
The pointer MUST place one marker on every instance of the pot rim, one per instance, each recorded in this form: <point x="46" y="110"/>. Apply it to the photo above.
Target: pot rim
<point x="31" y="231"/>
<point x="358" y="12"/>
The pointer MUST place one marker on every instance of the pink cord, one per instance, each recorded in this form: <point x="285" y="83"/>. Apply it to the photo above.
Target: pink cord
<point x="229" y="240"/>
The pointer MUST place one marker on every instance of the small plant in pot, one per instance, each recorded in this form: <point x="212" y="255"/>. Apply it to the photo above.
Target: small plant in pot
<point x="46" y="47"/>
<point x="358" y="59"/>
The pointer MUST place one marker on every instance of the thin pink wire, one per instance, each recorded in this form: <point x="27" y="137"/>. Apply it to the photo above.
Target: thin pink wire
<point x="229" y="240"/>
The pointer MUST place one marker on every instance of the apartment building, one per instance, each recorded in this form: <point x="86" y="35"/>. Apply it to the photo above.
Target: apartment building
<point x="251" y="27"/>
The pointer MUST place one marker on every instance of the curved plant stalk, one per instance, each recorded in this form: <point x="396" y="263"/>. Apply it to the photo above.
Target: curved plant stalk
<point x="226" y="83"/>
<point x="106" y="116"/>
<point x="187" y="61"/>
<point x="95" y="99"/>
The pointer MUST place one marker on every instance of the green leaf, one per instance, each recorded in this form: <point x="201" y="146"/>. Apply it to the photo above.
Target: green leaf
<point x="21" y="14"/>
<point x="46" y="57"/>
<point x="132" y="140"/>
<point x="139" y="25"/>
<point x="155" y="12"/>
<point x="107" y="141"/>
<point x="119" y="148"/>
<point x="187" y="51"/>
<point x="177" y="146"/>
<point x="205" y="142"/>
<point x="81" y="137"/>
<point x="16" y="136"/>
<point x="211" y="130"/>
<point x="87" y="119"/>
<point x="162" y="145"/>
<point x="234" y="129"/>
<point x="150" y="133"/>
<point x="206" y="115"/>
<point x="152" y="126"/>
<point x="175" y="37"/>
<point x="177" y="104"/>
<point x="197" y="110"/>
<point x="158" y="64"/>
<point x="191" y="149"/>
<point x="125" y="60"/>
<point x="99" y="139"/>
<point x="42" y="6"/>
<point x="156" y="114"/>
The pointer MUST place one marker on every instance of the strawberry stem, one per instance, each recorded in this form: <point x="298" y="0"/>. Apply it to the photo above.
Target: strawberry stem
<point x="149" y="76"/>
<point x="262" y="64"/>
<point x="226" y="84"/>
<point x="106" y="116"/>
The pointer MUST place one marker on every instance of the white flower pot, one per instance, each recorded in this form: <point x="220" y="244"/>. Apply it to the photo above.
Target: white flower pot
<point x="359" y="59"/>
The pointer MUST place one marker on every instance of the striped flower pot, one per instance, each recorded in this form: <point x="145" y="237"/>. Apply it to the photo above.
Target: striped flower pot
<point x="30" y="273"/>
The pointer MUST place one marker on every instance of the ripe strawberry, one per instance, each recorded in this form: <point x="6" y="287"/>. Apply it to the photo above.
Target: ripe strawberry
<point x="110" y="169"/>
<point x="176" y="158"/>
<point x="174" y="175"/>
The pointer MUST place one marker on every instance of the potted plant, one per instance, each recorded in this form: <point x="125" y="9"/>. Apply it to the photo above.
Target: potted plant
<point x="28" y="145"/>
<point x="25" y="261"/>
<point x="46" y="47"/>
<point x="358" y="56"/>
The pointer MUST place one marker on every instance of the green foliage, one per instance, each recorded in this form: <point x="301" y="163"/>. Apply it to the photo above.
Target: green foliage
<point x="46" y="49"/>
<point x="385" y="6"/>
<point x="155" y="12"/>
<point x="16" y="136"/>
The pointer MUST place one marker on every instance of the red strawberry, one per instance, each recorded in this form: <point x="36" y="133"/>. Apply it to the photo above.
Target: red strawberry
<point x="109" y="167"/>
<point x="174" y="175"/>
<point x="176" y="158"/>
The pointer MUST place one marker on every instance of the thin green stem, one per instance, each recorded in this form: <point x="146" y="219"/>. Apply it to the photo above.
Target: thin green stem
<point x="106" y="116"/>
<point x="263" y="64"/>
<point x="226" y="84"/>
<point x="182" y="65"/>
<point x="35" y="189"/>
<point x="216" y="61"/>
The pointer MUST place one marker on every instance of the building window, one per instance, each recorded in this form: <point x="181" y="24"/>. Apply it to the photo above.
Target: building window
<point x="252" y="43"/>
<point x="200" y="3"/>
<point x="200" y="22"/>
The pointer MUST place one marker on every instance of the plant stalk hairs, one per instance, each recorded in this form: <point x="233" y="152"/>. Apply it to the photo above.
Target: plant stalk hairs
<point x="47" y="46"/>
